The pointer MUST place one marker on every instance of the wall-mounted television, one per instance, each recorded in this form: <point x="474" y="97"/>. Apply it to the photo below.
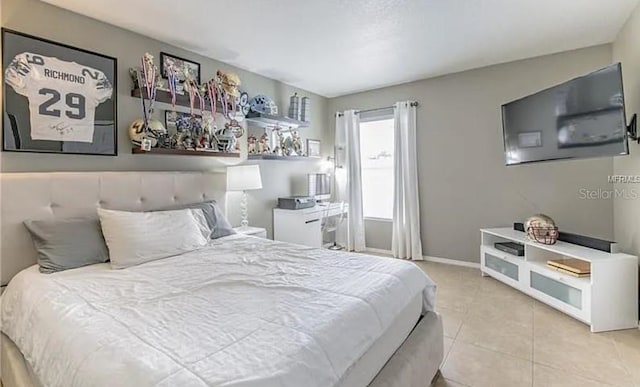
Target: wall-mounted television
<point x="581" y="118"/>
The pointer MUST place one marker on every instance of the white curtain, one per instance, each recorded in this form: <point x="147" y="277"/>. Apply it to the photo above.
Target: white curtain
<point x="405" y="238"/>
<point x="349" y="178"/>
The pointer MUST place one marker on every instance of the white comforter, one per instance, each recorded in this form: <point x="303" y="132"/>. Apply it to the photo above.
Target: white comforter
<point x="242" y="311"/>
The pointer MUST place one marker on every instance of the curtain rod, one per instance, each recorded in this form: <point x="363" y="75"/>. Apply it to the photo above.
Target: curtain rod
<point x="412" y="103"/>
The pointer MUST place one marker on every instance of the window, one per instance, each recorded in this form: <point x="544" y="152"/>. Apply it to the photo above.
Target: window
<point x="376" y="152"/>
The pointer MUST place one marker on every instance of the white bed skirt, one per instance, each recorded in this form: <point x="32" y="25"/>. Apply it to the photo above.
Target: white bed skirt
<point x="414" y="364"/>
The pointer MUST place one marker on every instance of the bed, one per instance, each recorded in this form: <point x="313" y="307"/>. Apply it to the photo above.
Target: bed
<point x="242" y="311"/>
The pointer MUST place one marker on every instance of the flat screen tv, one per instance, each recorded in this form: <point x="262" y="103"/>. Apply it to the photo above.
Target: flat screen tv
<point x="581" y="118"/>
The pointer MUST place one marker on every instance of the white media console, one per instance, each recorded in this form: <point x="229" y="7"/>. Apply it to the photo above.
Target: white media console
<point x="607" y="300"/>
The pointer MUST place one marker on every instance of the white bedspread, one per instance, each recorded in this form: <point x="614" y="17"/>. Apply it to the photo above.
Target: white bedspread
<point x="242" y="311"/>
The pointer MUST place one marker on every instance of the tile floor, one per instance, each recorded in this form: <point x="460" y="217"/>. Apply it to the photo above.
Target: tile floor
<point x="496" y="336"/>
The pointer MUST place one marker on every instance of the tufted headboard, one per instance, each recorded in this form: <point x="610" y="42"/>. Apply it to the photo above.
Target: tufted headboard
<point x="70" y="194"/>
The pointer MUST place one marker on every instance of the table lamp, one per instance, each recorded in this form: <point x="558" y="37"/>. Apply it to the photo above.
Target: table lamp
<point x="244" y="178"/>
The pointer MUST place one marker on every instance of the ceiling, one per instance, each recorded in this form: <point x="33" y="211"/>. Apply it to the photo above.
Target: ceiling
<point x="337" y="47"/>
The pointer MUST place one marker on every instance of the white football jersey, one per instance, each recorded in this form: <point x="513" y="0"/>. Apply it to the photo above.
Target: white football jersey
<point x="62" y="95"/>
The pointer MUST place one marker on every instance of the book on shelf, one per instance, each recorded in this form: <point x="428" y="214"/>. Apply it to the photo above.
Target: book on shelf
<point x="563" y="271"/>
<point x="571" y="265"/>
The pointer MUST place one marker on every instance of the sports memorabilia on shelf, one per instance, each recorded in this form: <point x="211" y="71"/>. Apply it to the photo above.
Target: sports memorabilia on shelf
<point x="226" y="88"/>
<point x="183" y="126"/>
<point x="188" y="131"/>
<point x="178" y="122"/>
<point x="263" y="104"/>
<point x="230" y="83"/>
<point x="57" y="98"/>
<point x="294" y="106"/>
<point x="227" y="138"/>
<point x="263" y="145"/>
<point x="207" y="102"/>
<point x="296" y="144"/>
<point x="299" y="108"/>
<point x="168" y="60"/>
<point x="147" y="133"/>
<point x="195" y="94"/>
<point x="172" y="73"/>
<point x="278" y="142"/>
<point x="146" y="139"/>
<point x="149" y="82"/>
<point x="243" y="103"/>
<point x="305" y="109"/>
<point x="252" y="145"/>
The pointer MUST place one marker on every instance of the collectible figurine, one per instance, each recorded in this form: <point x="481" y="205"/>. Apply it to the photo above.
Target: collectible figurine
<point x="252" y="145"/>
<point x="296" y="143"/>
<point x="263" y="145"/>
<point x="225" y="139"/>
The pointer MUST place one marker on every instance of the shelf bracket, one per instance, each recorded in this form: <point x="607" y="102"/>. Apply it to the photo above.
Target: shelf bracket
<point x="632" y="129"/>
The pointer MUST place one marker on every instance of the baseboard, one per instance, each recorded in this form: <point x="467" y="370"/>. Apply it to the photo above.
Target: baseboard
<point x="446" y="261"/>
<point x="449" y="261"/>
<point x="378" y="251"/>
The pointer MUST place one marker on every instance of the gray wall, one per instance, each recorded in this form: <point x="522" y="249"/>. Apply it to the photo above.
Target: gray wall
<point x="463" y="182"/>
<point x="627" y="211"/>
<point x="279" y="178"/>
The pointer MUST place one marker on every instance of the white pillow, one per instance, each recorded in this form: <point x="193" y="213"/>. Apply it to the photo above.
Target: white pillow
<point x="137" y="237"/>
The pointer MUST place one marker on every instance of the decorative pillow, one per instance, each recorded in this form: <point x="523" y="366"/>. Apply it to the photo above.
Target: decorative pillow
<point x="216" y="220"/>
<point x="137" y="237"/>
<point x="67" y="243"/>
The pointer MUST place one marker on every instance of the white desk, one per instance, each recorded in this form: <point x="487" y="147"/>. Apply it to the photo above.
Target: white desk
<point x="305" y="227"/>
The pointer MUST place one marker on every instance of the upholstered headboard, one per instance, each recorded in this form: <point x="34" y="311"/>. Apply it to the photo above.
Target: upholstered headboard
<point x="71" y="194"/>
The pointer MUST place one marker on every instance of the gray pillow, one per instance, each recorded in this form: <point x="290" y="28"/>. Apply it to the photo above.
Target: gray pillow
<point x="67" y="243"/>
<point x="216" y="220"/>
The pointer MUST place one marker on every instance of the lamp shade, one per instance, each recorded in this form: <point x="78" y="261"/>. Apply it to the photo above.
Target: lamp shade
<point x="243" y="178"/>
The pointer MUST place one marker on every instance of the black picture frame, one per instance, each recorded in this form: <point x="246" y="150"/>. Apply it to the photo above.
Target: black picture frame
<point x="92" y="72"/>
<point x="163" y="67"/>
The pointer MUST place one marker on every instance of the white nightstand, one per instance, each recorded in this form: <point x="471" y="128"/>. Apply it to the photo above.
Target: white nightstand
<point x="254" y="231"/>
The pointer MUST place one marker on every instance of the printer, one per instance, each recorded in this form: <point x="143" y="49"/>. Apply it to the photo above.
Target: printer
<point x="296" y="202"/>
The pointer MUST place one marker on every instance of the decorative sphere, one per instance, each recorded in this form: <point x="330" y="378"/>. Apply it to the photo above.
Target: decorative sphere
<point x="541" y="228"/>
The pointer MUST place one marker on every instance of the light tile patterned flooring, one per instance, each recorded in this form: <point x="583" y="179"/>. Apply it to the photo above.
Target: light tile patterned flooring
<point x="496" y="336"/>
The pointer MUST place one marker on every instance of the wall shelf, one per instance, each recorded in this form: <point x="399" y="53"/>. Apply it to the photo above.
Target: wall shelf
<point x="262" y="120"/>
<point x="165" y="97"/>
<point x="183" y="152"/>
<point x="276" y="157"/>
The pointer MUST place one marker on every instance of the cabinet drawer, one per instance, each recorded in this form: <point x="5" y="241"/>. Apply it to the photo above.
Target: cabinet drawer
<point x="501" y="266"/>
<point x="556" y="289"/>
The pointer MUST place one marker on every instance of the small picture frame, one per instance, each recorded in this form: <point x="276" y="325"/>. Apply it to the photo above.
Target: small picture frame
<point x="179" y="63"/>
<point x="313" y="148"/>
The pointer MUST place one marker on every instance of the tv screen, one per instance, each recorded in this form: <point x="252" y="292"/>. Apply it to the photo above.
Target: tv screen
<point x="581" y="118"/>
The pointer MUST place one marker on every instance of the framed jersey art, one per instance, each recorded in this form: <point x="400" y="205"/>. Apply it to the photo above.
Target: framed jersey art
<point x="57" y="98"/>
